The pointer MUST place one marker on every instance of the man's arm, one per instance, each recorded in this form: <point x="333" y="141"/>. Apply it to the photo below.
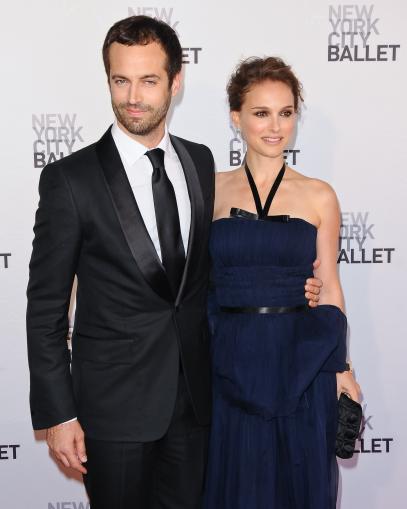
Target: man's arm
<point x="53" y="263"/>
<point x="52" y="269"/>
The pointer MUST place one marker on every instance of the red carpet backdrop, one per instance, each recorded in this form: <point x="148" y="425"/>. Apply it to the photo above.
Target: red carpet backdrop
<point x="352" y="60"/>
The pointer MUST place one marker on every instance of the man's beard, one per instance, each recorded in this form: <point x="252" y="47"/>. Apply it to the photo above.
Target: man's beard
<point x="141" y="126"/>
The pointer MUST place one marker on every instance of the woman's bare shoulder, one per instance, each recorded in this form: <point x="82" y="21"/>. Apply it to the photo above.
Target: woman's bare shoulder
<point x="226" y="177"/>
<point x="324" y="198"/>
<point x="314" y="187"/>
<point x="322" y="192"/>
<point x="228" y="173"/>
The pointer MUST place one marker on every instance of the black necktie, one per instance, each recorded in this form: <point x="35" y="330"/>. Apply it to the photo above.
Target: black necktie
<point x="168" y="226"/>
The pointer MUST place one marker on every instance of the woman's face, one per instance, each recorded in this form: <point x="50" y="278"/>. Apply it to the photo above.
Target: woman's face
<point x="267" y="118"/>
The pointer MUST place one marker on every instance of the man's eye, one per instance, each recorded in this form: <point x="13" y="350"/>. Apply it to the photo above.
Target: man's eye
<point x="150" y="82"/>
<point x="120" y="82"/>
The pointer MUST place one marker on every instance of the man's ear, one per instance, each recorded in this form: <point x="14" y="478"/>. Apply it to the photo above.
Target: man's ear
<point x="176" y="84"/>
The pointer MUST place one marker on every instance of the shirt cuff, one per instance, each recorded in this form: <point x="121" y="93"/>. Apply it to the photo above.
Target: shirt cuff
<point x="70" y="420"/>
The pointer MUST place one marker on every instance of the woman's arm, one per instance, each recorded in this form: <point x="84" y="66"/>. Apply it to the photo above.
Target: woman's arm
<point x="327" y="245"/>
<point x="327" y="252"/>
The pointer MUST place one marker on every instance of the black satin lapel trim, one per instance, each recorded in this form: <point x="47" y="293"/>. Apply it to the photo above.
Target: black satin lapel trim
<point x="130" y="218"/>
<point x="197" y="207"/>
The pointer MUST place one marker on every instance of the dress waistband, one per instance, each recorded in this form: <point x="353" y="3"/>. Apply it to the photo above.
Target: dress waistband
<point x="265" y="310"/>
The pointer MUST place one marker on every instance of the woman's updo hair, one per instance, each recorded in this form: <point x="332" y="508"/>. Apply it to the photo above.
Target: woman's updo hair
<point x="255" y="70"/>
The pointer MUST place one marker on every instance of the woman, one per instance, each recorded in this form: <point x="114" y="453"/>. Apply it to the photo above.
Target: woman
<point x="278" y="365"/>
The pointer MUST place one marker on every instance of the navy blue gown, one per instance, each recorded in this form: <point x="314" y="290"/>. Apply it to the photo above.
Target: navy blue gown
<point x="274" y="419"/>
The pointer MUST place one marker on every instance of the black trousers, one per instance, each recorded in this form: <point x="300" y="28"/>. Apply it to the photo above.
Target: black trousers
<point x="165" y="474"/>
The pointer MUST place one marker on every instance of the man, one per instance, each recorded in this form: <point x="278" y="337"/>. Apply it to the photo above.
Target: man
<point x="130" y="216"/>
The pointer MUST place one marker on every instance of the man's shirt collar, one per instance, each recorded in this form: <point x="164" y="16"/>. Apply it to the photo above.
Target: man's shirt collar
<point x="132" y="150"/>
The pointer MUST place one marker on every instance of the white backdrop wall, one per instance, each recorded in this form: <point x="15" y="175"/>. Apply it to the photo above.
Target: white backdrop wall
<point x="352" y="134"/>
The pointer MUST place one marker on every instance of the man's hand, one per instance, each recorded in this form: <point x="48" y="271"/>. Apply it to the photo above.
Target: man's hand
<point x="313" y="287"/>
<point x="67" y="443"/>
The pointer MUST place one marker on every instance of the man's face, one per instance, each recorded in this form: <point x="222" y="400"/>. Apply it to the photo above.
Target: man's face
<point x="139" y="87"/>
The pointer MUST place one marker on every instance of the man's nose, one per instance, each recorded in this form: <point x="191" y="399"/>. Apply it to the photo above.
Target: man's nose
<point x="134" y="94"/>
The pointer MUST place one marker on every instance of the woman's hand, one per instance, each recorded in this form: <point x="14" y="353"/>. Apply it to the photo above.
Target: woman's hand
<point x="345" y="382"/>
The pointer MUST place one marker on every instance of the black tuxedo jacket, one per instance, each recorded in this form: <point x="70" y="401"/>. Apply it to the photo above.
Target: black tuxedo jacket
<point x="130" y="332"/>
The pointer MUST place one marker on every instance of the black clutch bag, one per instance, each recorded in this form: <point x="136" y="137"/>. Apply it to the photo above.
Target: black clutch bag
<point x="349" y="421"/>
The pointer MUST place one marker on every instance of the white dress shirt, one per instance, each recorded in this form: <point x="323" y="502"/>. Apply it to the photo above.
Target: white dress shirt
<point x="139" y="172"/>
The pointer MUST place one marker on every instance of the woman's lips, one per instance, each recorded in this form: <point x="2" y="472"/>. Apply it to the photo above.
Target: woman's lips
<point x="272" y="140"/>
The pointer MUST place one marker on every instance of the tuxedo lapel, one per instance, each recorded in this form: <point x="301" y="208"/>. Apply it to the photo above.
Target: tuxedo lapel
<point x="197" y="208"/>
<point x="130" y="218"/>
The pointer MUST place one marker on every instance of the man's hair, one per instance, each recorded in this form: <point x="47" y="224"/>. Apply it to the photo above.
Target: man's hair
<point x="142" y="30"/>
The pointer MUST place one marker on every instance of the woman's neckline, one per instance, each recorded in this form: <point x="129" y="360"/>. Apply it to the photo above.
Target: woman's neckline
<point x="263" y="210"/>
<point x="252" y="216"/>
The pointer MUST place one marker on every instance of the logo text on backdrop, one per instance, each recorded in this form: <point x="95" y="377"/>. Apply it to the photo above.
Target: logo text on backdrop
<point x="354" y="35"/>
<point x="68" y="505"/>
<point x="356" y="234"/>
<point x="8" y="452"/>
<point x="56" y="136"/>
<point x="190" y="55"/>
<point x="4" y="260"/>
<point x="369" y="445"/>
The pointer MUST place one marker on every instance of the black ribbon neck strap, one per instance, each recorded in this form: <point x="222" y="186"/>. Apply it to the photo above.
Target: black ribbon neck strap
<point x="262" y="212"/>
